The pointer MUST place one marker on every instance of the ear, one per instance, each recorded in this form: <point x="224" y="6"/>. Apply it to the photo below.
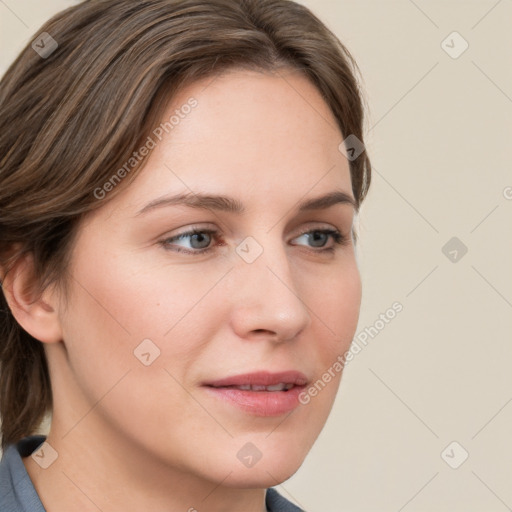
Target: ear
<point x="37" y="315"/>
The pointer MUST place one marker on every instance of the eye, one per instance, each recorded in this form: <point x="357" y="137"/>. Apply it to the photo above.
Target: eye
<point x="318" y="237"/>
<point x="200" y="242"/>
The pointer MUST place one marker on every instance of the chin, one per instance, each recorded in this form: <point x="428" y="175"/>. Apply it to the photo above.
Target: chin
<point x="262" y="475"/>
<point x="273" y="464"/>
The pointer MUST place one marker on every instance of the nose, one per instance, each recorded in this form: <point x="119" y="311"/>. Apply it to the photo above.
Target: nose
<point x="266" y="297"/>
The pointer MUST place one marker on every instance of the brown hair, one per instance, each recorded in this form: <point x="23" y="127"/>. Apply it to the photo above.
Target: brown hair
<point x="72" y="116"/>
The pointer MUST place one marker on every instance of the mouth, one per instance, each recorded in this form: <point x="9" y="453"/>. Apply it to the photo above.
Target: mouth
<point x="282" y="386"/>
<point x="260" y="393"/>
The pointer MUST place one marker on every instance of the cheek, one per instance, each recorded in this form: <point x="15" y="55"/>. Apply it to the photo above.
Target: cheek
<point x="104" y="328"/>
<point x="151" y="297"/>
<point x="335" y="314"/>
<point x="348" y="305"/>
<point x="131" y="294"/>
<point x="118" y="303"/>
<point x="337" y="311"/>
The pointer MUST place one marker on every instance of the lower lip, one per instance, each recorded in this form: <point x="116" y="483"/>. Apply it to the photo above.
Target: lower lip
<point x="260" y="403"/>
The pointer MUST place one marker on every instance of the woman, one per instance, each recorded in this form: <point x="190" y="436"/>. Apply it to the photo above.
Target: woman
<point x="179" y="181"/>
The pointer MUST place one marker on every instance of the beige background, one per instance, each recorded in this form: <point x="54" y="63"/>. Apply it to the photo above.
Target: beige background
<point x="440" y="138"/>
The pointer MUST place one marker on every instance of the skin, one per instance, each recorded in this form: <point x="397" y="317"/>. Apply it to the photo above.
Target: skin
<point x="132" y="437"/>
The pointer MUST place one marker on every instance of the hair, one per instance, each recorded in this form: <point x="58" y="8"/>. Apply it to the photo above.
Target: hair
<point x="71" y="117"/>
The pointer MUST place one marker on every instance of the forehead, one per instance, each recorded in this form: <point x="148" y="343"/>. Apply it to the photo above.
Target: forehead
<point x="259" y="136"/>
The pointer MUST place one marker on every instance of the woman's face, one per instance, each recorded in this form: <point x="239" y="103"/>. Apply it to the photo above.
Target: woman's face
<point x="171" y="337"/>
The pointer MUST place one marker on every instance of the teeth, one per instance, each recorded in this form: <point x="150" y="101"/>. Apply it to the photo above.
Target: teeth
<point x="257" y="387"/>
<point x="276" y="387"/>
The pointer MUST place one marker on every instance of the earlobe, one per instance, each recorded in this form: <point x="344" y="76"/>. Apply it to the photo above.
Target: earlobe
<point x="38" y="315"/>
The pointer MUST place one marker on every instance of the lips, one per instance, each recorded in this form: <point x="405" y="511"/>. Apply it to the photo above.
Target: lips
<point x="260" y="393"/>
<point x="257" y="387"/>
<point x="261" y="379"/>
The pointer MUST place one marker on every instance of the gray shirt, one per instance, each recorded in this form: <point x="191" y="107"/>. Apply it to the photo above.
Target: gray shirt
<point x="17" y="493"/>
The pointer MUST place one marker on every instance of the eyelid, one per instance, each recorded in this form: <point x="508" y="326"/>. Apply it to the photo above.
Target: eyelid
<point x="317" y="225"/>
<point x="337" y="235"/>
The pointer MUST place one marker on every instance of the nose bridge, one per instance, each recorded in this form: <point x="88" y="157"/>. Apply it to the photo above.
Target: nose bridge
<point x="268" y="291"/>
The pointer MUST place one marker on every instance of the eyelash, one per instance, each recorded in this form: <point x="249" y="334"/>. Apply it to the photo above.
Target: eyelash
<point x="339" y="239"/>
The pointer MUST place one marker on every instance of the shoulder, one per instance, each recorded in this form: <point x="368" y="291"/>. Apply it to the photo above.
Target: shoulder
<point x="17" y="494"/>
<point x="277" y="503"/>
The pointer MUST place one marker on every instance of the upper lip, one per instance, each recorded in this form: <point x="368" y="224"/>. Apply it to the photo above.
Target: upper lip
<point x="261" y="378"/>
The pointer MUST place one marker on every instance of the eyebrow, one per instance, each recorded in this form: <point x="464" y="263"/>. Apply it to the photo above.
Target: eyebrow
<point x="231" y="205"/>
